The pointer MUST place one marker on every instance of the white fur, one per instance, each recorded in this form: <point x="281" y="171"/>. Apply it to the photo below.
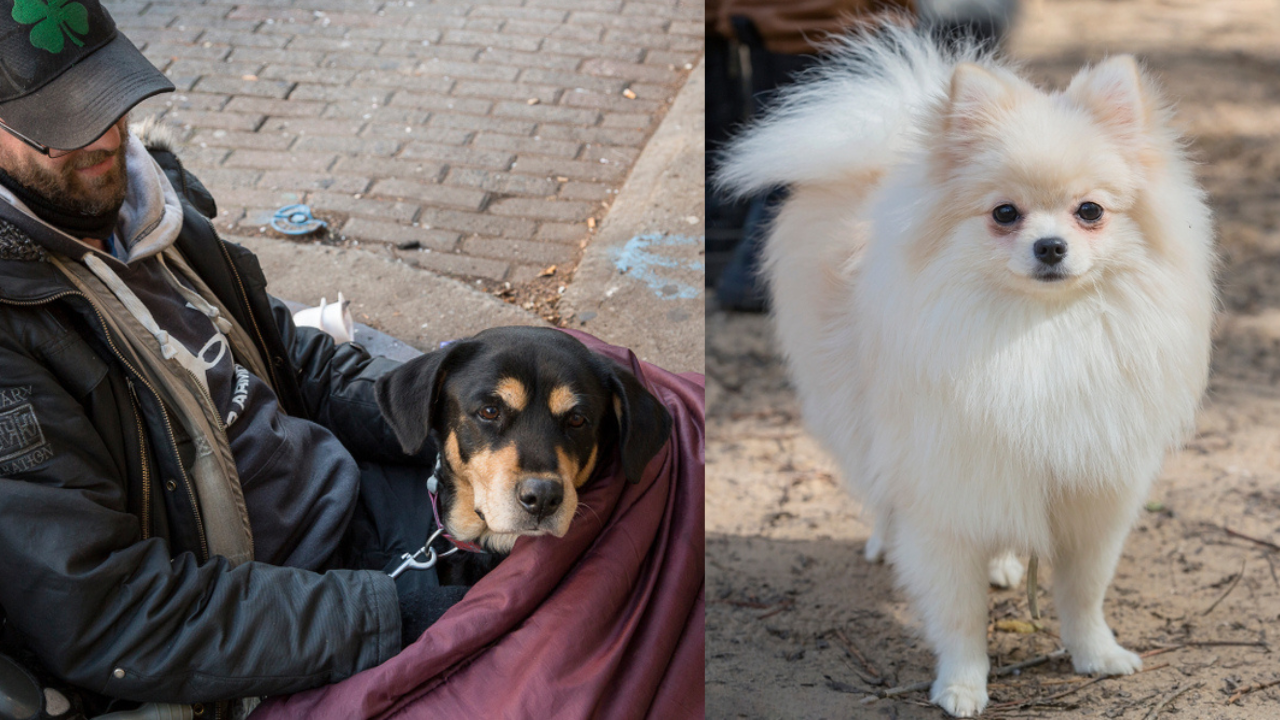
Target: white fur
<point x="155" y="134"/>
<point x="985" y="411"/>
<point x="1005" y="570"/>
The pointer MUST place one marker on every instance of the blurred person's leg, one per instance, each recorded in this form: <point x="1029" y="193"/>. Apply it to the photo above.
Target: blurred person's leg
<point x="728" y="93"/>
<point x="740" y="286"/>
<point x="776" y="40"/>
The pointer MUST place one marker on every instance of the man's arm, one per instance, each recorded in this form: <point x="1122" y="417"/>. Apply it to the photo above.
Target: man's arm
<point x="337" y="386"/>
<point x="114" y="613"/>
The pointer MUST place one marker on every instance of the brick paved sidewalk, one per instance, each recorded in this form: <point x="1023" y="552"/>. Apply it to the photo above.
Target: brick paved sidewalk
<point x="480" y="139"/>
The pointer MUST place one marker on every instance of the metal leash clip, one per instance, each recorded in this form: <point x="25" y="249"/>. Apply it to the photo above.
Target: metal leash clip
<point x="411" y="562"/>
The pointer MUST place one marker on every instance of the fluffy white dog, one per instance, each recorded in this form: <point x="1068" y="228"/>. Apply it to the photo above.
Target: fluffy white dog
<point x="995" y="303"/>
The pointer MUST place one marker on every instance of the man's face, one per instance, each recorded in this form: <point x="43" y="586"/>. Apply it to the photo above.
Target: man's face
<point x="89" y="181"/>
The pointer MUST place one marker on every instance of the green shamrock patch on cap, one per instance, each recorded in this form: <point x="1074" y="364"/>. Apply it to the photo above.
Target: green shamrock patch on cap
<point x="54" y="19"/>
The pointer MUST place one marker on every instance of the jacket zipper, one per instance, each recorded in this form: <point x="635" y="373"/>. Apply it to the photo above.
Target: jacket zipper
<point x="173" y="440"/>
<point x="146" y="467"/>
<point x="248" y="310"/>
<point x="204" y="392"/>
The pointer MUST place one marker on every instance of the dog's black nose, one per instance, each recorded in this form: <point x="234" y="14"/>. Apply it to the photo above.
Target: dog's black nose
<point x="1050" y="250"/>
<point x="540" y="497"/>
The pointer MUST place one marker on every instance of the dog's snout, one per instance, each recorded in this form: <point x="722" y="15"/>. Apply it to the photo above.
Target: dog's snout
<point x="1050" y="250"/>
<point x="540" y="497"/>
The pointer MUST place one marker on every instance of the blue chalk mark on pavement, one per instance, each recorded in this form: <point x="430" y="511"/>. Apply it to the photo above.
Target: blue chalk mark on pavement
<point x="638" y="260"/>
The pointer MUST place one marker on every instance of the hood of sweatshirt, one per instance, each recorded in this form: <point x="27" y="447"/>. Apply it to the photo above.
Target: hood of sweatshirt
<point x="150" y="218"/>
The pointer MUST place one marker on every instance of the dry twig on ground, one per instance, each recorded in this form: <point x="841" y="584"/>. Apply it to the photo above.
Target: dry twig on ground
<point x="998" y="672"/>
<point x="1231" y="587"/>
<point x="1242" y="536"/>
<point x="1221" y="643"/>
<point x="786" y="604"/>
<point x="1168" y="698"/>
<point x="854" y="651"/>
<point x="1029" y="702"/>
<point x="1252" y="688"/>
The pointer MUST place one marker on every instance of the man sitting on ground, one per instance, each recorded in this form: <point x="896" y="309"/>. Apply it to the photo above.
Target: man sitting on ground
<point x="187" y="480"/>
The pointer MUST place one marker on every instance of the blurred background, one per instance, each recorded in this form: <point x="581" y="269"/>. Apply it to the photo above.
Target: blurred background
<point x="798" y="625"/>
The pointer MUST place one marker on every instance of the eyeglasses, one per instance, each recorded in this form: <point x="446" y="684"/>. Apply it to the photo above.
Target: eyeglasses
<point x="51" y="153"/>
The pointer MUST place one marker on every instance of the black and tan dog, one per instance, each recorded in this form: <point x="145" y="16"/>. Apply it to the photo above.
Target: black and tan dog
<point x="522" y="417"/>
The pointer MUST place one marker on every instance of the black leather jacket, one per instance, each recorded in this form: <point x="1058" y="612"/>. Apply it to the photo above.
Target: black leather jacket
<point x="103" y="572"/>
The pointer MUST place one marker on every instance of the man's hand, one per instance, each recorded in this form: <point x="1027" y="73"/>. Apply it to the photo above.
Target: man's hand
<point x="422" y="601"/>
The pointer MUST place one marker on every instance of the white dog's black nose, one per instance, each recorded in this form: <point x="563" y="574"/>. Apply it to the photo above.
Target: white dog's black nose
<point x="540" y="497"/>
<point x="1050" y="250"/>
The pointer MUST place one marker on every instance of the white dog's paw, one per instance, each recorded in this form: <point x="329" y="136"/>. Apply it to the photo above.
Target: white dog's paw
<point x="1005" y="570"/>
<point x="1110" y="659"/>
<point x="874" y="551"/>
<point x="958" y="699"/>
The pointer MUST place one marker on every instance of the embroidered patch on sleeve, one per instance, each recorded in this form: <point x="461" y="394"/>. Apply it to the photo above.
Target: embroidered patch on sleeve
<point x="22" y="442"/>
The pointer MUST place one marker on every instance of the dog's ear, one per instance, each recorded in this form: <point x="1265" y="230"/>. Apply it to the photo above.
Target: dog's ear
<point x="1115" y="92"/>
<point x="975" y="93"/>
<point x="408" y="395"/>
<point x="643" y="423"/>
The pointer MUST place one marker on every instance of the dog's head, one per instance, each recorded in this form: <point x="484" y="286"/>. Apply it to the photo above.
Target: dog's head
<point x="521" y="417"/>
<point x="1041" y="192"/>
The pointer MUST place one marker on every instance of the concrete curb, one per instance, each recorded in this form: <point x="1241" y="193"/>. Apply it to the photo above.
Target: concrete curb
<point x="640" y="282"/>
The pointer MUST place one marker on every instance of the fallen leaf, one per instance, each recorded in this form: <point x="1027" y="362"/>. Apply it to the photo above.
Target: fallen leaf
<point x="628" y="94"/>
<point x="591" y="223"/>
<point x="1022" y="627"/>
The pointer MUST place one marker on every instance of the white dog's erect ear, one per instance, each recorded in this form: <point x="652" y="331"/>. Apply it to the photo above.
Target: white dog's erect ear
<point x="975" y="91"/>
<point x="1113" y="91"/>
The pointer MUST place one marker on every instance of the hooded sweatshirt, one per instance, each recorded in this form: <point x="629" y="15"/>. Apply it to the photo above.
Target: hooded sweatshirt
<point x="297" y="482"/>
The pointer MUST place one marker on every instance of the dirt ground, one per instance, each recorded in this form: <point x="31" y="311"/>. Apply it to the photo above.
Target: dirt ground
<point x="800" y="626"/>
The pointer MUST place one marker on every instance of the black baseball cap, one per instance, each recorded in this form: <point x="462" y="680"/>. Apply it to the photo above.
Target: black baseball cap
<point x="66" y="74"/>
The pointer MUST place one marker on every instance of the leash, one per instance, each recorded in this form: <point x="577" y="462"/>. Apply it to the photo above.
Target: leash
<point x="411" y="562"/>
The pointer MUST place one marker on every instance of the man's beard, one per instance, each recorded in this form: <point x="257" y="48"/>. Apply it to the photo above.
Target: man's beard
<point x="67" y="190"/>
<point x="64" y="198"/>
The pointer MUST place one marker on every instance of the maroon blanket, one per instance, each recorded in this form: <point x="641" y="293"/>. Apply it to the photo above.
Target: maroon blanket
<point x="606" y="622"/>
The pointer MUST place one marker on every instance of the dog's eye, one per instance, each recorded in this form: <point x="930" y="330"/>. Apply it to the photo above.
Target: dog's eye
<point x="1005" y="214"/>
<point x="577" y="420"/>
<point x="488" y="412"/>
<point x="1089" y="212"/>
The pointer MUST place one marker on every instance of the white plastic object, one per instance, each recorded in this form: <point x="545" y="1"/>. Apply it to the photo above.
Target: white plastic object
<point x="333" y="318"/>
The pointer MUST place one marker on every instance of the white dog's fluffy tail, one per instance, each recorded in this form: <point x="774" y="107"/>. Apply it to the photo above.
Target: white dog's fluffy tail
<point x="855" y="113"/>
<point x="830" y="137"/>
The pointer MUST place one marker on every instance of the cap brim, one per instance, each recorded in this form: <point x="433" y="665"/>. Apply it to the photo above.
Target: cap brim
<point x="82" y="103"/>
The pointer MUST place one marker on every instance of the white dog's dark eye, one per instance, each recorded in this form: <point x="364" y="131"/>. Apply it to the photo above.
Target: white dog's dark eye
<point x="1089" y="212"/>
<point x="1005" y="214"/>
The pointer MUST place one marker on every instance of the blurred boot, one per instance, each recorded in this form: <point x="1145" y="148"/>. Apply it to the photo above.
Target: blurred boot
<point x="728" y="95"/>
<point x="741" y="287"/>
